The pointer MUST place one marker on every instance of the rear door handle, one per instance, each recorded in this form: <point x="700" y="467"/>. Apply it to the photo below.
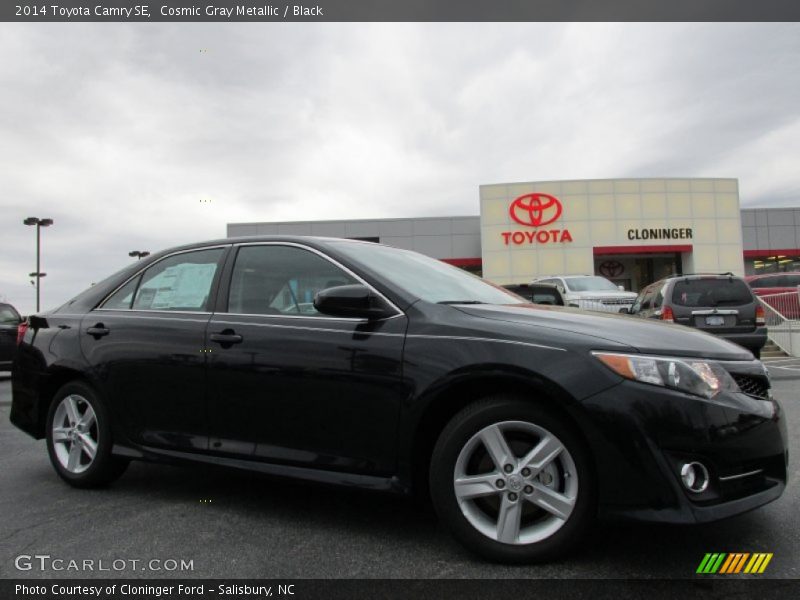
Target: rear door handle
<point x="98" y="330"/>
<point x="227" y="336"/>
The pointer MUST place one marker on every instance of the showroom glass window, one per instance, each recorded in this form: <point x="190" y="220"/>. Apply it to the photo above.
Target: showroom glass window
<point x="181" y="283"/>
<point x="281" y="280"/>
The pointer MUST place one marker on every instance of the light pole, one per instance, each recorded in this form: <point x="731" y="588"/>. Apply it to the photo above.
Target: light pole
<point x="140" y="253"/>
<point x="38" y="274"/>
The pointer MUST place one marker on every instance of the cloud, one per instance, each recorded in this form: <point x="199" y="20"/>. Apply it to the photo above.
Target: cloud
<point x="131" y="137"/>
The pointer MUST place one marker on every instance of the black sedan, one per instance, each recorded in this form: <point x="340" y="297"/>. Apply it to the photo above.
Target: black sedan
<point x="352" y="363"/>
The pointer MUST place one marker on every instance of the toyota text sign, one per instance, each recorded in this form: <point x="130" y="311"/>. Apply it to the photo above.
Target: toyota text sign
<point x="535" y="210"/>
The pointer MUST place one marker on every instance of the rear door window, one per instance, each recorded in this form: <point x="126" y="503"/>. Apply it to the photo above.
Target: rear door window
<point x="711" y="293"/>
<point x="181" y="282"/>
<point x="123" y="297"/>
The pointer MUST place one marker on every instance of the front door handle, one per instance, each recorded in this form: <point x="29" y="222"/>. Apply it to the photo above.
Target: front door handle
<point x="98" y="330"/>
<point x="226" y="336"/>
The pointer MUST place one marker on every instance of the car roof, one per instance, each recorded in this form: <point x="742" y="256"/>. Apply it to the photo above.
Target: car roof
<point x="300" y="239"/>
<point x="692" y="277"/>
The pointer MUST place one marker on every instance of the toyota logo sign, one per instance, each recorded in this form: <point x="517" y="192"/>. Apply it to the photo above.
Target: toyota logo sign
<point x="534" y="210"/>
<point x="612" y="268"/>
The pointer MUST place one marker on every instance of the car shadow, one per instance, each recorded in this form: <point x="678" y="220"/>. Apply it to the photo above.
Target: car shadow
<point x="406" y="528"/>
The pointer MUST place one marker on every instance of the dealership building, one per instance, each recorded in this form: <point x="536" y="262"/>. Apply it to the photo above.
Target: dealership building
<point x="632" y="231"/>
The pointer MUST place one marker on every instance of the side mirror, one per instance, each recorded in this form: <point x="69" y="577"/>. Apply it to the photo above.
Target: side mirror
<point x="355" y="301"/>
<point x="621" y="288"/>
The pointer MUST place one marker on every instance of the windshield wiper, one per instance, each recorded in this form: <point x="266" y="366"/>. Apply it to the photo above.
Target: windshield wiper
<point x="461" y="302"/>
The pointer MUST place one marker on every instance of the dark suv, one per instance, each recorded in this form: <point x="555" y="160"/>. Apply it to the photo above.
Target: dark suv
<point x="357" y="364"/>
<point x="720" y="304"/>
<point x="9" y="323"/>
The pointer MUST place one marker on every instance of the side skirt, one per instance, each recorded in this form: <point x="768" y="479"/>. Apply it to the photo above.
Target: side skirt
<point x="367" y="482"/>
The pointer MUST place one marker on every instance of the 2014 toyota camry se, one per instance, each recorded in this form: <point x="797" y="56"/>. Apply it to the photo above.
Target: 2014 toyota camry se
<point x="353" y="363"/>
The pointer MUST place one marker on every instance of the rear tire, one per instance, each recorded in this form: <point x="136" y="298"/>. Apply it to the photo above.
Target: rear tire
<point x="79" y="438"/>
<point x="512" y="482"/>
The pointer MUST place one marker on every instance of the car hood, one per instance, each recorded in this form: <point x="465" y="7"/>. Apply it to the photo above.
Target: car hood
<point x="645" y="336"/>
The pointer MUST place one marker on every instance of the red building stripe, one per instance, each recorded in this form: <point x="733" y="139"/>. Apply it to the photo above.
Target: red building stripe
<point x="765" y="253"/>
<point x="463" y="262"/>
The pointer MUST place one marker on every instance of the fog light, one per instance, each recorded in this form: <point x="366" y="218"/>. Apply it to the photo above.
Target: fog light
<point x="695" y="477"/>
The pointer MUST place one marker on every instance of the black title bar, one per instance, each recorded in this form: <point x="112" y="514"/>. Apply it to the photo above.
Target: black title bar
<point x="397" y="10"/>
<point x="399" y="589"/>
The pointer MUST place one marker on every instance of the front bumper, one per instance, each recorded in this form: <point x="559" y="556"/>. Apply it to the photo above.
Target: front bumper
<point x="643" y="434"/>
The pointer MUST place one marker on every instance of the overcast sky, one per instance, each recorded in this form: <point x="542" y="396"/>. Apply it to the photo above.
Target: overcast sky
<point x="118" y="131"/>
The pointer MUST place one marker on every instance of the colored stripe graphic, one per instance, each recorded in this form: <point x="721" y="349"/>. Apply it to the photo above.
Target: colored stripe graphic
<point x="731" y="560"/>
<point x="733" y="563"/>
<point x="703" y="563"/>
<point x="765" y="563"/>
<point x="711" y="562"/>
<point x="742" y="558"/>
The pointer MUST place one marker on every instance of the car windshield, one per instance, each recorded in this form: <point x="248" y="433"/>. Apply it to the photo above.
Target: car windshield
<point x="427" y="278"/>
<point x="711" y="292"/>
<point x="590" y="284"/>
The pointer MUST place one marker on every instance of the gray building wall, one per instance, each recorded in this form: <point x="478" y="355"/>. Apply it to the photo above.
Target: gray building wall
<point x="763" y="229"/>
<point x="439" y="237"/>
<point x="771" y="228"/>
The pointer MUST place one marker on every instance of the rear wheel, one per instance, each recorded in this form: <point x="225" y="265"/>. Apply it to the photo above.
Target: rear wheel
<point x="512" y="482"/>
<point x="79" y="438"/>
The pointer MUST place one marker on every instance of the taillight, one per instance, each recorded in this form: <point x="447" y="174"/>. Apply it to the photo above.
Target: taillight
<point x="667" y="315"/>
<point x="21" y="329"/>
<point x="761" y="318"/>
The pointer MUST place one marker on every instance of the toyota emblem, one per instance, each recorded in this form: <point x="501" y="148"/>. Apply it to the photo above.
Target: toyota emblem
<point x="612" y="268"/>
<point x="534" y="210"/>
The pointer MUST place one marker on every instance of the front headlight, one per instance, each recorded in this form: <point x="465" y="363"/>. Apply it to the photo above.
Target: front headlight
<point x="693" y="376"/>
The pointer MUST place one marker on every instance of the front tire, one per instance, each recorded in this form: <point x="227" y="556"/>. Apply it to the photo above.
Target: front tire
<point x="79" y="438"/>
<point x="512" y="482"/>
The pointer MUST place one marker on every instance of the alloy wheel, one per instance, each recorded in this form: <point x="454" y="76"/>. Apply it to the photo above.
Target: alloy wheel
<point x="515" y="482"/>
<point x="75" y="434"/>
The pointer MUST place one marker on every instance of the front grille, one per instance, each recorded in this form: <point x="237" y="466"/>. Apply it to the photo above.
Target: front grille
<point x="617" y="301"/>
<point x="757" y="387"/>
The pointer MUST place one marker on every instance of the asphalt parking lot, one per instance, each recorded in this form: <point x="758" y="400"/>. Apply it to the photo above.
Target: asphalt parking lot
<point x="235" y="525"/>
